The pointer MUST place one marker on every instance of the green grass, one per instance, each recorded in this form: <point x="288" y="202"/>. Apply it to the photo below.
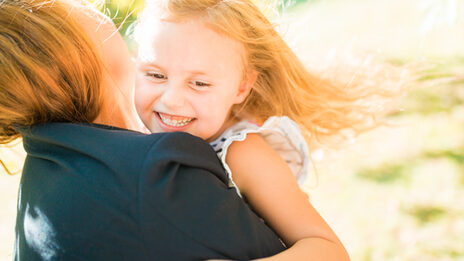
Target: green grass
<point x="386" y="173"/>
<point x="427" y="214"/>
<point x="457" y="155"/>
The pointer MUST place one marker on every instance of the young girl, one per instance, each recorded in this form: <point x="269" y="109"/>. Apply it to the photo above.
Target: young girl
<point x="217" y="69"/>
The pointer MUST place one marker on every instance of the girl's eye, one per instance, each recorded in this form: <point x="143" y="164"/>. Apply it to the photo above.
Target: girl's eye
<point x="200" y="84"/>
<point x="156" y="75"/>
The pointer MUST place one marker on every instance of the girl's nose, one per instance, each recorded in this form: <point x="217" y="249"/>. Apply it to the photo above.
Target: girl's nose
<point x="173" y="96"/>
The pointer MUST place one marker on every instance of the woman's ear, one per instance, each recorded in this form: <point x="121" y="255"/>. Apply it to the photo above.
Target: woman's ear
<point x="245" y="87"/>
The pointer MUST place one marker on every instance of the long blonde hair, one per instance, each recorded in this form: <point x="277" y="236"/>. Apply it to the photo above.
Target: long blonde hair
<point x="284" y="87"/>
<point x="50" y="71"/>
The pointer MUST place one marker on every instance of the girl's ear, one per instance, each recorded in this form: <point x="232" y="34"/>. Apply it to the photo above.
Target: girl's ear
<point x="245" y="87"/>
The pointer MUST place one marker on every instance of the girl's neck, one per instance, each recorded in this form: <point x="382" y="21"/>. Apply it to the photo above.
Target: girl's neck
<point x="231" y="121"/>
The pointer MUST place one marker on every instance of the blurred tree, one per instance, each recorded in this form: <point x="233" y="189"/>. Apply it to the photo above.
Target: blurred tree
<point x="122" y="12"/>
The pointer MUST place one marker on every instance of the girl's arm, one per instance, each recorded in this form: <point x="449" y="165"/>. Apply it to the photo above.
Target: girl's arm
<point x="269" y="185"/>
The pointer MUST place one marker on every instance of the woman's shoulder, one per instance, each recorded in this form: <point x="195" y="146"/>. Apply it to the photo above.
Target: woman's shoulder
<point x="183" y="149"/>
<point x="179" y="145"/>
<point x="108" y="144"/>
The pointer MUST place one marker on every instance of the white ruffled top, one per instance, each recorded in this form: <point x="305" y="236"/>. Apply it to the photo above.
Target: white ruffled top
<point x="281" y="133"/>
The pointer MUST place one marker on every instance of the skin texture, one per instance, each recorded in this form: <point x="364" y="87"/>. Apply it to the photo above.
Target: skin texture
<point x="187" y="71"/>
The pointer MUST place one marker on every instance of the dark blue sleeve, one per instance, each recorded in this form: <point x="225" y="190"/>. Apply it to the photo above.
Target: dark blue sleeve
<point x="184" y="198"/>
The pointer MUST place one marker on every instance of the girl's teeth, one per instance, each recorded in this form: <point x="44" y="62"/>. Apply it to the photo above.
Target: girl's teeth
<point x="175" y="123"/>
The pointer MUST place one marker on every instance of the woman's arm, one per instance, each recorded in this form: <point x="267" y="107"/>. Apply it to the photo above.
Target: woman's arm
<point x="268" y="184"/>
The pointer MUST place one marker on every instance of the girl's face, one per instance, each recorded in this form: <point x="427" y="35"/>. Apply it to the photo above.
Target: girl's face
<point x="188" y="78"/>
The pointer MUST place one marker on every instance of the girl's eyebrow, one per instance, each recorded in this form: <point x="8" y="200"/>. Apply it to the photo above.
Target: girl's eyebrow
<point x="197" y="72"/>
<point x="146" y="63"/>
<point x="153" y="64"/>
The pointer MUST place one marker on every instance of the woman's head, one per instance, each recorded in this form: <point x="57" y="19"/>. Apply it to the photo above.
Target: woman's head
<point x="50" y="69"/>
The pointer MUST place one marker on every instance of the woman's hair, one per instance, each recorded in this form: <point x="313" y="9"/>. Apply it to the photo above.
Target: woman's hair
<point x="50" y="70"/>
<point x="283" y="86"/>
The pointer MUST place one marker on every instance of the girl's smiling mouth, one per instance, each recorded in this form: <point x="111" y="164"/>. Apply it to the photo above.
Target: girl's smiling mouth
<point x="170" y="122"/>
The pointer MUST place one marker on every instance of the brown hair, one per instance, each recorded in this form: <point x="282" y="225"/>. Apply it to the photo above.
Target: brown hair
<point x="50" y="70"/>
<point x="323" y="108"/>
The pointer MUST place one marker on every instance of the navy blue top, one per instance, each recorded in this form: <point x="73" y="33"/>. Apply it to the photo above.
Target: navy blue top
<point x="94" y="192"/>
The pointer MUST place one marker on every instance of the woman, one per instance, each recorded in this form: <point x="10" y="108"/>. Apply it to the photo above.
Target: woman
<point x="93" y="186"/>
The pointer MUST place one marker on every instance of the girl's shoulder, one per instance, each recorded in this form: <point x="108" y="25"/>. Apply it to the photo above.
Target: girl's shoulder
<point x="281" y="133"/>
